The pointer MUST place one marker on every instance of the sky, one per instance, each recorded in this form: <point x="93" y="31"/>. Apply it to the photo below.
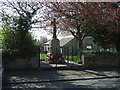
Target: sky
<point x="37" y="34"/>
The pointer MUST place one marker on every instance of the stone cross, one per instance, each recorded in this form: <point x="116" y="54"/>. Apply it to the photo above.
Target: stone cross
<point x="54" y="43"/>
<point x="54" y="28"/>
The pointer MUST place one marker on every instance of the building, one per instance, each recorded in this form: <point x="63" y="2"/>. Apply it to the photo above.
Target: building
<point x="69" y="45"/>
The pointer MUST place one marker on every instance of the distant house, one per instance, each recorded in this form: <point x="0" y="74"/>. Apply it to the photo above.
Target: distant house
<point x="69" y="45"/>
<point x="88" y="44"/>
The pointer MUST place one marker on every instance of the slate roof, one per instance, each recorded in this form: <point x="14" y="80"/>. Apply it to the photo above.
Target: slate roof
<point x="63" y="40"/>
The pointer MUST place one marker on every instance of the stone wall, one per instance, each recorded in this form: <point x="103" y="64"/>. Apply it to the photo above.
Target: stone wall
<point x="100" y="60"/>
<point x="21" y="63"/>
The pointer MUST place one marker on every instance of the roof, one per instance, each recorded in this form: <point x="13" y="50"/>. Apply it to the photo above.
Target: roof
<point x="47" y="43"/>
<point x="65" y="40"/>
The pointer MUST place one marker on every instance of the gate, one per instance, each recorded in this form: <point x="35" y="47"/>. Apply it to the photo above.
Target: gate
<point x="70" y="54"/>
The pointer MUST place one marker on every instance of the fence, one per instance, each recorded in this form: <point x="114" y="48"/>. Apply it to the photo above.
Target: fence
<point x="69" y="53"/>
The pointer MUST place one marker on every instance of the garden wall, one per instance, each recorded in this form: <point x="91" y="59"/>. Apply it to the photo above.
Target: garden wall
<point x="21" y="63"/>
<point x="101" y="60"/>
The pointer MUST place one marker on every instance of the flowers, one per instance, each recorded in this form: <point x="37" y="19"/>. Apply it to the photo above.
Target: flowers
<point x="55" y="57"/>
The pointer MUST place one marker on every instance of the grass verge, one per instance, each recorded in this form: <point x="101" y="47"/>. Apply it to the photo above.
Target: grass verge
<point x="74" y="59"/>
<point x="43" y="57"/>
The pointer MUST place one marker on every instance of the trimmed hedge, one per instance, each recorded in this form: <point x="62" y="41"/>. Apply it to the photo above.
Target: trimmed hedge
<point x="101" y="52"/>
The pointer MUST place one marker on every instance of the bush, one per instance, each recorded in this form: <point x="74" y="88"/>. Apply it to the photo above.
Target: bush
<point x="13" y="46"/>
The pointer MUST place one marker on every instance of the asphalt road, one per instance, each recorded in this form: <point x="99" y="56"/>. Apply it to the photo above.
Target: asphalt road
<point x="80" y="78"/>
<point x="96" y="84"/>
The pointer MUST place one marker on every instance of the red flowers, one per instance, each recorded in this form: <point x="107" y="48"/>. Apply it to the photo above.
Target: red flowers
<point x="55" y="57"/>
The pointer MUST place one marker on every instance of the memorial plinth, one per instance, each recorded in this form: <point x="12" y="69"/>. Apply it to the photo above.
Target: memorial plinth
<point x="55" y="46"/>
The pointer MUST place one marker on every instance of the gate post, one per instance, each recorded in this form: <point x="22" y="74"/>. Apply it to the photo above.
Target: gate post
<point x="39" y="55"/>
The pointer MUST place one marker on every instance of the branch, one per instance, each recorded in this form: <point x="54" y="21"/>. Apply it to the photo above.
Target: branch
<point x="57" y="9"/>
<point x="73" y="34"/>
<point x="13" y="6"/>
<point x="21" y="7"/>
<point x="86" y="34"/>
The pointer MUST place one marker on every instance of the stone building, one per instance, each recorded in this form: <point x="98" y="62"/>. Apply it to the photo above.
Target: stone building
<point x="69" y="45"/>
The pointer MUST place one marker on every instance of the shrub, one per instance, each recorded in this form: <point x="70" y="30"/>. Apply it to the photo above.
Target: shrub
<point x="101" y="52"/>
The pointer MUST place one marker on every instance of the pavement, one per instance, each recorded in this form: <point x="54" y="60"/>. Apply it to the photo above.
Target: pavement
<point x="67" y="63"/>
<point x="76" y="78"/>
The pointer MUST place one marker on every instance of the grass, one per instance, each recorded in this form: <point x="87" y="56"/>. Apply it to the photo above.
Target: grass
<point x="88" y="51"/>
<point x="71" y="58"/>
<point x="74" y="58"/>
<point x="43" y="57"/>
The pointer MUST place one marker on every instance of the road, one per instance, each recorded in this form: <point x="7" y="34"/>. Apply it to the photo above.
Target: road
<point x="80" y="78"/>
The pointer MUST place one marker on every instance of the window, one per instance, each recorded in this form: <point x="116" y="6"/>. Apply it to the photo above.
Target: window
<point x="89" y="47"/>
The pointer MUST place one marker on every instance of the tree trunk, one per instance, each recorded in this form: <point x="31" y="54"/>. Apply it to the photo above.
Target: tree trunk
<point x="79" y="42"/>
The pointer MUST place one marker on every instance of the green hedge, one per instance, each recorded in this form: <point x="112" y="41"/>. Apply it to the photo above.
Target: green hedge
<point x="100" y="52"/>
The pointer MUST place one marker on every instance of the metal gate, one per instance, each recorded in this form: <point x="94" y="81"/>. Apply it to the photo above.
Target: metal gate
<point x="70" y="54"/>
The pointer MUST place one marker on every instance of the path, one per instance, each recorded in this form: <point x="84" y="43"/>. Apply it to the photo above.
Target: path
<point x="68" y="64"/>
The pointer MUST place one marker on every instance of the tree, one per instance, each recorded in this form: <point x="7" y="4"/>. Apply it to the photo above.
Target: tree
<point x="107" y="35"/>
<point x="82" y="19"/>
<point x="16" y="26"/>
<point x="77" y="18"/>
